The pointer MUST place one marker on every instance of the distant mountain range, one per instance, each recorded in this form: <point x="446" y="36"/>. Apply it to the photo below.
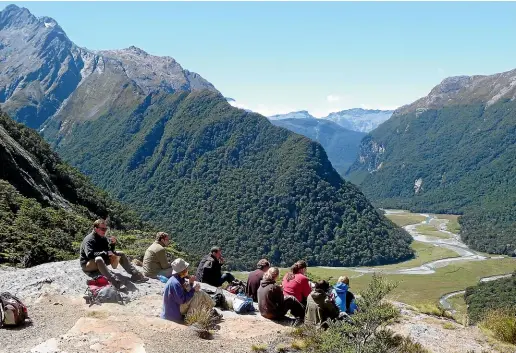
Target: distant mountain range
<point x="452" y="151"/>
<point x="340" y="144"/>
<point x="358" y="119"/>
<point x="339" y="133"/>
<point x="303" y="114"/>
<point x="166" y="141"/>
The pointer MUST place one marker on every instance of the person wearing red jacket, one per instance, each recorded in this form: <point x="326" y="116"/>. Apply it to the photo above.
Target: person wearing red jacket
<point x="296" y="284"/>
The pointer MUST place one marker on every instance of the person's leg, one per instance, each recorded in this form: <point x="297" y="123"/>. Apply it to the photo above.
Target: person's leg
<point x="91" y="266"/>
<point x="200" y="300"/>
<point x="166" y="272"/>
<point x="226" y="277"/>
<point x="128" y="266"/>
<point x="296" y="308"/>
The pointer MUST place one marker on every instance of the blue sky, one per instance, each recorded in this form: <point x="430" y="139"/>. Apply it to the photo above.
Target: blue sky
<point x="275" y="57"/>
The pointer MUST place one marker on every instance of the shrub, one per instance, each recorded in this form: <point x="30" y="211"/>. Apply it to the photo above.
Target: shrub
<point x="202" y="320"/>
<point x="502" y="324"/>
<point x="366" y="330"/>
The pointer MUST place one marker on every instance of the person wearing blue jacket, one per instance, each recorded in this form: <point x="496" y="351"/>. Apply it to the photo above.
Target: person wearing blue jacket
<point x="344" y="299"/>
<point x="181" y="295"/>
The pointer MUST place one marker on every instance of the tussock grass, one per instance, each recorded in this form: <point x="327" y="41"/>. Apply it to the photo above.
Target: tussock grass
<point x="202" y="320"/>
<point x="501" y="324"/>
<point x="259" y="347"/>
<point x="434" y="310"/>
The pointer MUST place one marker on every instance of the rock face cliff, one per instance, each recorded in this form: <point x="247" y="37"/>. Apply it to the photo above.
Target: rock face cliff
<point x="45" y="79"/>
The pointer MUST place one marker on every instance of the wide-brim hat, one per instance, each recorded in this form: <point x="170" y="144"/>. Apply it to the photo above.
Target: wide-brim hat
<point x="179" y="265"/>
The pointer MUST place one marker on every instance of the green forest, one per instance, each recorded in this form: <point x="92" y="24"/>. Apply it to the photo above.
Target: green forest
<point x="465" y="156"/>
<point x="487" y="296"/>
<point x="211" y="174"/>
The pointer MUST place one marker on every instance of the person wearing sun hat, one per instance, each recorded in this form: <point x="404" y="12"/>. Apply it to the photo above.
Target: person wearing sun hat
<point x="182" y="295"/>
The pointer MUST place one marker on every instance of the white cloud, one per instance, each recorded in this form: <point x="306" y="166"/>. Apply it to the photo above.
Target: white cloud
<point x="333" y="98"/>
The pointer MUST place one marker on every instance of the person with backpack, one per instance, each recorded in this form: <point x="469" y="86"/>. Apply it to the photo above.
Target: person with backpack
<point x="344" y="299"/>
<point x="254" y="279"/>
<point x="210" y="269"/>
<point x="296" y="284"/>
<point x="181" y="295"/>
<point x="273" y="304"/>
<point x="319" y="307"/>
<point x="155" y="259"/>
<point x="96" y="253"/>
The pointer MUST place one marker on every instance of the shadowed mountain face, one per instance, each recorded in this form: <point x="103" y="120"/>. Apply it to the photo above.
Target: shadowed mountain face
<point x="340" y="144"/>
<point x="45" y="79"/>
<point x="165" y="141"/>
<point x="451" y="151"/>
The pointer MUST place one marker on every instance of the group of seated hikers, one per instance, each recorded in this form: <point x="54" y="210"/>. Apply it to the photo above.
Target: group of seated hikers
<point x="312" y="306"/>
<point x="182" y="294"/>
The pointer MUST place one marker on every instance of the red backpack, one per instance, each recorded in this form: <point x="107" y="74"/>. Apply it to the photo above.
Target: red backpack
<point x="12" y="311"/>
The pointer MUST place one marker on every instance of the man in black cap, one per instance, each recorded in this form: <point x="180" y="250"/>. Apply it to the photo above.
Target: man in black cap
<point x="210" y="269"/>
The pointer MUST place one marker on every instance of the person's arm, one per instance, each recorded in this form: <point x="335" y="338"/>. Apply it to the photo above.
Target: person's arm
<point x="332" y="308"/>
<point x="277" y="297"/>
<point x="305" y="287"/>
<point x="207" y="271"/>
<point x="180" y="296"/>
<point x="162" y="258"/>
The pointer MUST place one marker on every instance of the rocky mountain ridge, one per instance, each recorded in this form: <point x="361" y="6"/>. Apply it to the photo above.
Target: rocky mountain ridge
<point x="486" y="89"/>
<point x="44" y="76"/>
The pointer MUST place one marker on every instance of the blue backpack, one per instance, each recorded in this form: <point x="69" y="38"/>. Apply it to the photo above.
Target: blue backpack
<point x="243" y="304"/>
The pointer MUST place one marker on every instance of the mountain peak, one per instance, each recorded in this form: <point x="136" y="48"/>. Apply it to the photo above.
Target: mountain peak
<point x="14" y="16"/>
<point x="136" y="50"/>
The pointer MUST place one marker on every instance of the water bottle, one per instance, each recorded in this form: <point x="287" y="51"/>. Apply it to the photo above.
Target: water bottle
<point x="162" y="278"/>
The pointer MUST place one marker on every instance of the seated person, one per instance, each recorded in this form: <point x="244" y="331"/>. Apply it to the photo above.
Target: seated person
<point x="271" y="301"/>
<point x="254" y="279"/>
<point x="296" y="284"/>
<point x="319" y="307"/>
<point x="210" y="269"/>
<point x="96" y="253"/>
<point x="155" y="260"/>
<point x="182" y="297"/>
<point x="344" y="299"/>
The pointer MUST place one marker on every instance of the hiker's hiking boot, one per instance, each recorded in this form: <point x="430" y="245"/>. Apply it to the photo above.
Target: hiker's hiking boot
<point x="138" y="277"/>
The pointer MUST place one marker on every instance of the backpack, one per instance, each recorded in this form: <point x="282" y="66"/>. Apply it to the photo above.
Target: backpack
<point x="243" y="304"/>
<point x="220" y="299"/>
<point x="12" y="311"/>
<point x="101" y="291"/>
<point x="236" y="287"/>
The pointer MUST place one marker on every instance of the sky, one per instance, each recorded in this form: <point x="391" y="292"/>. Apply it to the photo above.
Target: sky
<point x="277" y="57"/>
